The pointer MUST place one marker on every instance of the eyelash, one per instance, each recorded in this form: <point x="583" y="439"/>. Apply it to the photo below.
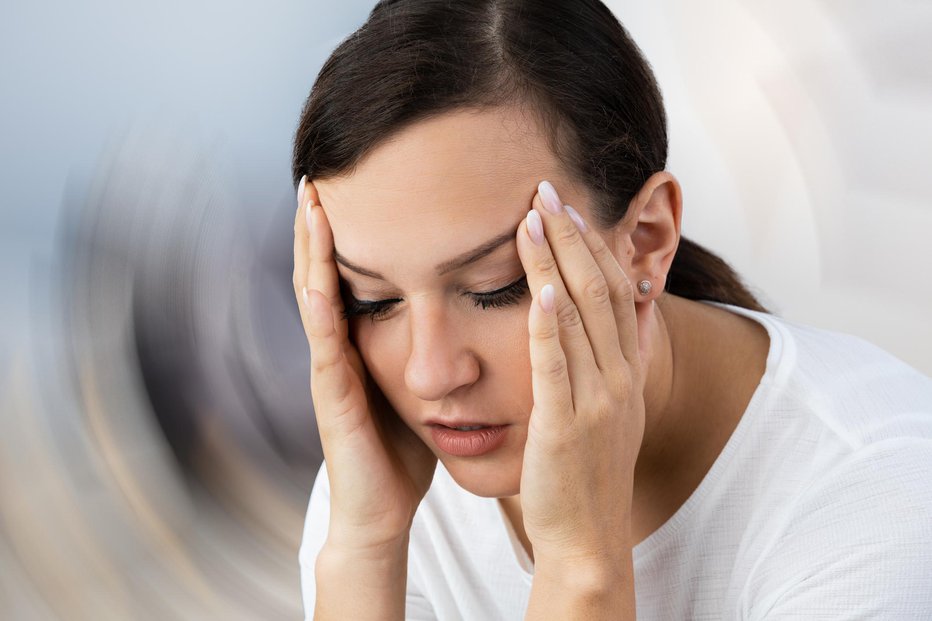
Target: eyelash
<point x="506" y="296"/>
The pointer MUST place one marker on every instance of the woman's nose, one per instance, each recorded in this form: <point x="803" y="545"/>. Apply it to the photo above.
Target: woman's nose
<point x="439" y="362"/>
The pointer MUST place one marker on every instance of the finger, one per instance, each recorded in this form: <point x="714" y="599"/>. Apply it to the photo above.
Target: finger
<point x="299" y="274"/>
<point x="621" y="295"/>
<point x="301" y="185"/>
<point x="541" y="268"/>
<point x="583" y="276"/>
<point x="334" y="388"/>
<point x="550" y="384"/>
<point x="322" y="271"/>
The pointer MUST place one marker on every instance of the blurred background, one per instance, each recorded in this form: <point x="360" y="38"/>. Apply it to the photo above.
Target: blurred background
<point x="157" y="442"/>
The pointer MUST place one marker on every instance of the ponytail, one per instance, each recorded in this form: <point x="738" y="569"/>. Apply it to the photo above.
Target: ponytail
<point x="698" y="274"/>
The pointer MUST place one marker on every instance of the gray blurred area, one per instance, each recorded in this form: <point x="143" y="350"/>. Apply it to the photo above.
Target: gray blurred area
<point x="157" y="441"/>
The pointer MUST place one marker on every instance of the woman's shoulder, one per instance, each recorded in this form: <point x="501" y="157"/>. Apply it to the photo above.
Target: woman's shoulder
<point x="857" y="390"/>
<point x="811" y="345"/>
<point x="849" y="375"/>
<point x="851" y="425"/>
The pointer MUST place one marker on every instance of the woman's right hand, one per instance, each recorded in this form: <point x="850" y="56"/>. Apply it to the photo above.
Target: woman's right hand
<point x="379" y="470"/>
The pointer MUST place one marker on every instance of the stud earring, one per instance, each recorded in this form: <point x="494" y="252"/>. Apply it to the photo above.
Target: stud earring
<point x="644" y="287"/>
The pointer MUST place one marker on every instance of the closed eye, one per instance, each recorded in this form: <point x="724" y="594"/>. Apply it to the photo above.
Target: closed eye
<point x="378" y="309"/>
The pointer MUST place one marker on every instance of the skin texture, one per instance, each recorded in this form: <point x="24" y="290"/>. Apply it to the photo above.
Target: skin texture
<point x="448" y="184"/>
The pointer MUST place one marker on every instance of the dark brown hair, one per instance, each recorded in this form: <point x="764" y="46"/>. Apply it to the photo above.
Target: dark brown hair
<point x="572" y="63"/>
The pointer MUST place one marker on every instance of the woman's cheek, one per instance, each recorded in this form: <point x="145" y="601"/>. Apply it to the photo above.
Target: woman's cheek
<point x="382" y="354"/>
<point x="512" y="350"/>
<point x="364" y="334"/>
<point x="509" y="340"/>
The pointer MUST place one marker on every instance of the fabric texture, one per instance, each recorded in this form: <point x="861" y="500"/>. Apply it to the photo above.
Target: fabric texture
<point x="818" y="507"/>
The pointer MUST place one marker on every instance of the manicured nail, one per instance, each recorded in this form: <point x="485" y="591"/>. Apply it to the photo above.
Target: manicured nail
<point x="301" y="188"/>
<point x="307" y="216"/>
<point x="550" y="197"/>
<point x="546" y="298"/>
<point x="306" y="304"/>
<point x="576" y="218"/>
<point x="535" y="227"/>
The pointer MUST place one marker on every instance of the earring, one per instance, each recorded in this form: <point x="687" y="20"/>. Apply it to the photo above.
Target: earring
<point x="644" y="287"/>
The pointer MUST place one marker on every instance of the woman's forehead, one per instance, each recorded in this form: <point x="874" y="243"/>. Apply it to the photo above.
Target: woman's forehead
<point x="444" y="163"/>
<point x="440" y="187"/>
<point x="412" y="239"/>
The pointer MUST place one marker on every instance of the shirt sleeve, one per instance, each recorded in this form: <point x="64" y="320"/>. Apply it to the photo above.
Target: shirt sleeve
<point x="316" y="524"/>
<point x="857" y="545"/>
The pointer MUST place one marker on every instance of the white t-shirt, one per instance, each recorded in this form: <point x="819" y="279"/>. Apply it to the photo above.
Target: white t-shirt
<point x="818" y="507"/>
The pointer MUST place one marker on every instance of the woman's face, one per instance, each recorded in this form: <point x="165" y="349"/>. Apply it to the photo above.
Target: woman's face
<point x="428" y="196"/>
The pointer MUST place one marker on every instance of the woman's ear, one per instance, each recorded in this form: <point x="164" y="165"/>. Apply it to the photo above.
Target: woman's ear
<point x="646" y="240"/>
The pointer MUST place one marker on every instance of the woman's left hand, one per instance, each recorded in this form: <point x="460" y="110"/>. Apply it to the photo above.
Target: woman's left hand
<point x="587" y="421"/>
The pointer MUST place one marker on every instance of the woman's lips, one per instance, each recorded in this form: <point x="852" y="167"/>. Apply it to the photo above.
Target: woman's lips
<point x="468" y="443"/>
<point x="454" y="424"/>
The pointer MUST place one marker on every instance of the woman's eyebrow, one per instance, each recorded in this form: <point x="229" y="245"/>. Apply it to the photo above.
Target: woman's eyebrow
<point x="460" y="261"/>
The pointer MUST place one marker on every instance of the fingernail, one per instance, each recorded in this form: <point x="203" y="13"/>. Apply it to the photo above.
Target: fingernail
<point x="576" y="218"/>
<point x="301" y="188"/>
<point x="550" y="197"/>
<point x="307" y="216"/>
<point x="546" y="298"/>
<point x="535" y="227"/>
<point x="306" y="304"/>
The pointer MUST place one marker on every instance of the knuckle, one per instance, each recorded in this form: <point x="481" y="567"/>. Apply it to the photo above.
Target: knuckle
<point x="601" y="253"/>
<point x="603" y="403"/>
<point x="596" y="289"/>
<point x="545" y="263"/>
<point x="568" y="315"/>
<point x="333" y="403"/>
<point x="547" y="331"/>
<point x="555" y="369"/>
<point x="321" y="364"/>
<point x="624" y="293"/>
<point x="567" y="234"/>
<point x="621" y="382"/>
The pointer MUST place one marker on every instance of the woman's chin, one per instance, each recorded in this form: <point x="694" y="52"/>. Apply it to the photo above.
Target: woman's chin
<point x="486" y="480"/>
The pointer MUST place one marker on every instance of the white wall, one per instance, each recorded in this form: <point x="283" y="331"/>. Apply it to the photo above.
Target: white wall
<point x="802" y="134"/>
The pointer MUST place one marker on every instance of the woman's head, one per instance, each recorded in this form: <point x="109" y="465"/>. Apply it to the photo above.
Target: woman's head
<point x="425" y="136"/>
<point x="571" y="63"/>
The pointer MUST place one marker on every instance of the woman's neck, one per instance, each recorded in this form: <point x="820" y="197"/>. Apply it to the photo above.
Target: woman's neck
<point x="707" y="363"/>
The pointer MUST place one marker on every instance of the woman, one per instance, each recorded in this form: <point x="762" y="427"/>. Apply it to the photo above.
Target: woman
<point x="535" y="398"/>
